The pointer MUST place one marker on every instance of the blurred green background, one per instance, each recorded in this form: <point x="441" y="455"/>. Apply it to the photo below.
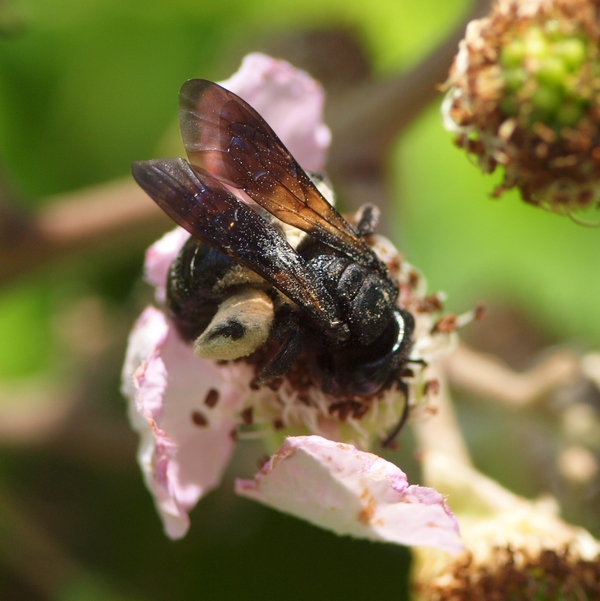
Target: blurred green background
<point x="86" y="87"/>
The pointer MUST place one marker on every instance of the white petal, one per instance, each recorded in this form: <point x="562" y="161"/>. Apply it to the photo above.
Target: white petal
<point x="167" y="385"/>
<point x="337" y="487"/>
<point x="159" y="257"/>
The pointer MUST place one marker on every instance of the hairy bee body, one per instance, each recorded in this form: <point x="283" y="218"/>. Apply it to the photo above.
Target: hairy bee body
<point x="202" y="278"/>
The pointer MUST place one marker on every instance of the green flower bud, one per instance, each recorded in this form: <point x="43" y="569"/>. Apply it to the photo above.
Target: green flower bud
<point x="536" y="44"/>
<point x="514" y="78"/>
<point x="572" y="51"/>
<point x="546" y="100"/>
<point x="552" y="70"/>
<point x="512" y="54"/>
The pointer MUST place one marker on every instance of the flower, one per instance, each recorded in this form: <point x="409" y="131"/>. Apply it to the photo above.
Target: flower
<point x="190" y="412"/>
<point x="338" y="487"/>
<point x="523" y="95"/>
<point x="514" y="548"/>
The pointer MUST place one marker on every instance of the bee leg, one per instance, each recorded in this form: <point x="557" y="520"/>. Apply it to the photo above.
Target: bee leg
<point x="367" y="218"/>
<point x="284" y="358"/>
<point x="391" y="437"/>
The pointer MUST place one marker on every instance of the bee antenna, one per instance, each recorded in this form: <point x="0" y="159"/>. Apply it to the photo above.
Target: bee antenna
<point x="391" y="437"/>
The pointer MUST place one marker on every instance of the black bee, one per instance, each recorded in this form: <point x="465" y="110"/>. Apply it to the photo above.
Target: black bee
<point x="318" y="305"/>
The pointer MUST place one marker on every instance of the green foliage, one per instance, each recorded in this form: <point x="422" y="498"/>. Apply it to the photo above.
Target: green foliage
<point x="546" y="77"/>
<point x="25" y="331"/>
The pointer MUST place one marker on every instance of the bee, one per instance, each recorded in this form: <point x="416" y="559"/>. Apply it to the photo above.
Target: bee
<point x="281" y="279"/>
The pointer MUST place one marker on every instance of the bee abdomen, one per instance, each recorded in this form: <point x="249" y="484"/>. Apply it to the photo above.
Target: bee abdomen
<point x="193" y="291"/>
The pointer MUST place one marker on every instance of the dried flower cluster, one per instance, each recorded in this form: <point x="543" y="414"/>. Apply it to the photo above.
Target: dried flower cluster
<point x="516" y="575"/>
<point x="524" y="95"/>
<point x="515" y="548"/>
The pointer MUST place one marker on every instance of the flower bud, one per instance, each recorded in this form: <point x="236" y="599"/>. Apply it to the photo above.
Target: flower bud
<point x="523" y="95"/>
<point x="515" y="548"/>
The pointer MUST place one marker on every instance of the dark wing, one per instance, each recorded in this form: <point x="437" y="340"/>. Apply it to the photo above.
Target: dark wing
<point x="208" y="211"/>
<point x="226" y="137"/>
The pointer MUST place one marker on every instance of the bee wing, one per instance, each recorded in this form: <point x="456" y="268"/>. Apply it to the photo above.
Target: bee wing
<point x="208" y="211"/>
<point x="226" y="137"/>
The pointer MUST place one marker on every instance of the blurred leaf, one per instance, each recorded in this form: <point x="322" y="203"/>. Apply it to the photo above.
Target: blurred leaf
<point x="89" y="587"/>
<point x="395" y="31"/>
<point x="25" y="329"/>
<point x="79" y="104"/>
<point x="93" y="85"/>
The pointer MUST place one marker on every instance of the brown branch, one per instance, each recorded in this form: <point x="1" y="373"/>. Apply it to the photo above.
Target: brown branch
<point x="57" y="419"/>
<point x="111" y="214"/>
<point x="487" y="376"/>
<point x="370" y="116"/>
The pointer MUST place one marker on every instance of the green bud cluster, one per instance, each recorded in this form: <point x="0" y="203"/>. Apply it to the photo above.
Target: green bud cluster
<point x="546" y="77"/>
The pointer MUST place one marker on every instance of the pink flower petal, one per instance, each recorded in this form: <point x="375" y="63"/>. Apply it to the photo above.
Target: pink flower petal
<point x="337" y="487"/>
<point x="290" y="101"/>
<point x="184" y="444"/>
<point x="159" y="257"/>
